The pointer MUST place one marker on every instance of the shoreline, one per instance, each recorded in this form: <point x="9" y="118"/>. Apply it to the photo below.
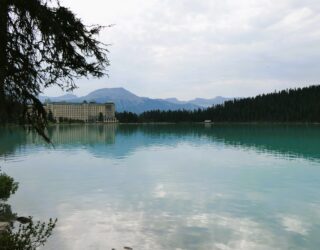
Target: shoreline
<point x="171" y="123"/>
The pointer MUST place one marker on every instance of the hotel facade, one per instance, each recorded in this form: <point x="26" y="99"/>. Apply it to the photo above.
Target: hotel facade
<point x="87" y="112"/>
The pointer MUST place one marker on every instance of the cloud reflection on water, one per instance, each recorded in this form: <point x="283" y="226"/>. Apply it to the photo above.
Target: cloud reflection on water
<point x="172" y="187"/>
<point x="109" y="227"/>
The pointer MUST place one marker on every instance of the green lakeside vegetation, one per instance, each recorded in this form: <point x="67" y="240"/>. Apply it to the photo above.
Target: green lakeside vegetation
<point x="286" y="106"/>
<point x="18" y="232"/>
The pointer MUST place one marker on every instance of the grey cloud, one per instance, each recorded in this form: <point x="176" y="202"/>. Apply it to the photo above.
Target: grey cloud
<point x="166" y="48"/>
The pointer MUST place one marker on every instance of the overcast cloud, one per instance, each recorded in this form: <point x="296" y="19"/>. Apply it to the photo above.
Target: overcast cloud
<point x="205" y="48"/>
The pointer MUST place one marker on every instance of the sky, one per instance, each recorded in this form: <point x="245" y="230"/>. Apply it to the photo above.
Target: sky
<point x="204" y="48"/>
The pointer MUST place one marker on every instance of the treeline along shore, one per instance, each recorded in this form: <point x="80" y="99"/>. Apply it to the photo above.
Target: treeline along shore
<point x="291" y="105"/>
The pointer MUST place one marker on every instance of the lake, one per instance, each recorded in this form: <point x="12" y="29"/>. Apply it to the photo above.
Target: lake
<point x="170" y="186"/>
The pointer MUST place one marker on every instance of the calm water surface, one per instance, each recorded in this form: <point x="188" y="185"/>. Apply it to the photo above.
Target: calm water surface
<point x="170" y="186"/>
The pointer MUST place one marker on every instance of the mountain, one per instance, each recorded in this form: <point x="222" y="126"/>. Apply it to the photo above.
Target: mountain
<point x="124" y="100"/>
<point x="66" y="97"/>
<point x="209" y="102"/>
<point x="175" y="101"/>
<point x="201" y="102"/>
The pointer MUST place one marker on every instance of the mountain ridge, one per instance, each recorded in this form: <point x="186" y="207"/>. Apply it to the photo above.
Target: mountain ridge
<point x="128" y="101"/>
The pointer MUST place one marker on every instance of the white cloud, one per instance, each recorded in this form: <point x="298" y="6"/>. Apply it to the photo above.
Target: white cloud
<point x="205" y="48"/>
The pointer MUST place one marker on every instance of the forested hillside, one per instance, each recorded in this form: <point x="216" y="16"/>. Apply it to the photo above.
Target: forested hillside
<point x="292" y="105"/>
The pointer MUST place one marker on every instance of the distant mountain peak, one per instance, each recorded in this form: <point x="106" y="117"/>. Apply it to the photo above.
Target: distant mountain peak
<point x="109" y="89"/>
<point x="127" y="101"/>
<point x="66" y="97"/>
<point x="172" y="99"/>
<point x="69" y="96"/>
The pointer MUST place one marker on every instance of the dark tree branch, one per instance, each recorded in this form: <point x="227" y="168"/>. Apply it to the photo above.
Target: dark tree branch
<point x="44" y="44"/>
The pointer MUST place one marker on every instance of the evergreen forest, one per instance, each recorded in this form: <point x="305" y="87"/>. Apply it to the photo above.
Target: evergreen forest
<point x="291" y="105"/>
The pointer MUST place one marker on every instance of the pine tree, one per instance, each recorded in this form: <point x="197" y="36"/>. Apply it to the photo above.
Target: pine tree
<point x="43" y="44"/>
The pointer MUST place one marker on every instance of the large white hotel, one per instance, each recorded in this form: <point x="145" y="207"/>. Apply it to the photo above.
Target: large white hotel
<point x="87" y="112"/>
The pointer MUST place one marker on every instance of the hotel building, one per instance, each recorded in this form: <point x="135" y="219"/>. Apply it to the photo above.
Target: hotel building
<point x="87" y="112"/>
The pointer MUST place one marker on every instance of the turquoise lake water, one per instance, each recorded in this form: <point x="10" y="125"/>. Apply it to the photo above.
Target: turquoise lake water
<point x="170" y="186"/>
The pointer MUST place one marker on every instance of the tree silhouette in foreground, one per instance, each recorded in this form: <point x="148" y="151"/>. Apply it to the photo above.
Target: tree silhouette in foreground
<point x="43" y="44"/>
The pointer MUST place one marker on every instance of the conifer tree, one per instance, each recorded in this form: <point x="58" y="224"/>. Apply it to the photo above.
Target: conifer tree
<point x="43" y="44"/>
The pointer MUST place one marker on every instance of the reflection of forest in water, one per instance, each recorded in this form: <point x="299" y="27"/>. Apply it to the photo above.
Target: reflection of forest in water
<point x="292" y="140"/>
